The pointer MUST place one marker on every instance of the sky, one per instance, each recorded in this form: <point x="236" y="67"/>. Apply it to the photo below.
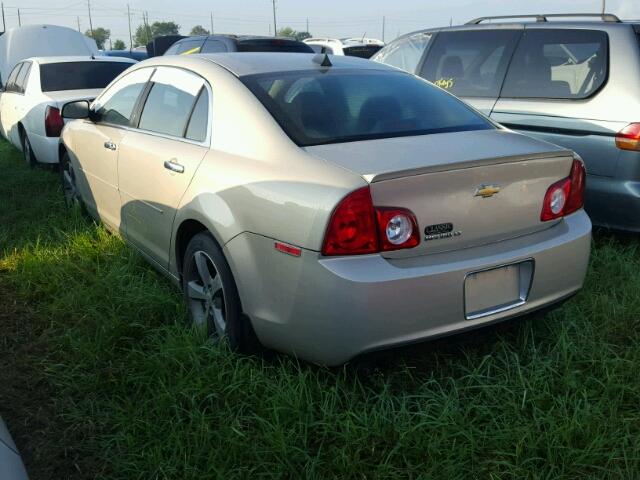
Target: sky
<point x="330" y="18"/>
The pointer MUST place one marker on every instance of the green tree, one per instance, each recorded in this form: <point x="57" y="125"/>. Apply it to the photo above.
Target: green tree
<point x="286" y="32"/>
<point x="145" y="33"/>
<point x="119" y="45"/>
<point x="199" y="30"/>
<point x="100" y="35"/>
<point x="300" y="36"/>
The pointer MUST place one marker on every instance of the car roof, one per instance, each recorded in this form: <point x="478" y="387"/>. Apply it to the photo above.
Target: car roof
<point x="82" y="58"/>
<point x="252" y="63"/>
<point x="239" y="38"/>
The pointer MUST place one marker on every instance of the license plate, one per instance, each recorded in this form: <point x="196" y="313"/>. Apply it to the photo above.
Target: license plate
<point x="497" y="290"/>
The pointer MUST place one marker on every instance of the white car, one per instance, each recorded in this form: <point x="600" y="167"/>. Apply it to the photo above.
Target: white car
<point x="11" y="467"/>
<point x="351" y="47"/>
<point x="36" y="90"/>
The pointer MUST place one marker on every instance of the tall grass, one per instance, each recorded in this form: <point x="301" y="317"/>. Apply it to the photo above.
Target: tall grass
<point x="553" y="396"/>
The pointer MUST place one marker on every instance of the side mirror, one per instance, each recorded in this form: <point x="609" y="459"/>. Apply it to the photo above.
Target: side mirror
<point x="76" y="110"/>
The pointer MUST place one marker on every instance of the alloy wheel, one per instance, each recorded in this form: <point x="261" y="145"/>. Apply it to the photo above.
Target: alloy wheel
<point x="69" y="187"/>
<point x="206" y="295"/>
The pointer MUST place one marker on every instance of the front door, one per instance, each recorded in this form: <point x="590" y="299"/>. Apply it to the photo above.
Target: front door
<point x="158" y="160"/>
<point x="99" y="145"/>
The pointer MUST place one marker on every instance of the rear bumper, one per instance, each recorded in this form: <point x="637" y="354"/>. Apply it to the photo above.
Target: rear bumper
<point x="613" y="203"/>
<point x="328" y="310"/>
<point x="44" y="148"/>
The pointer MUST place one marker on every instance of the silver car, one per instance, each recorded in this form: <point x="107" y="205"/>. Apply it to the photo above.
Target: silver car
<point x="568" y="79"/>
<point x="326" y="206"/>
<point x="11" y="466"/>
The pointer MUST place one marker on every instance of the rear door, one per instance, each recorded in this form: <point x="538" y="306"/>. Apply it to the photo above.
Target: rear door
<point x="471" y="64"/>
<point x="158" y="159"/>
<point x="9" y="105"/>
<point x="551" y="90"/>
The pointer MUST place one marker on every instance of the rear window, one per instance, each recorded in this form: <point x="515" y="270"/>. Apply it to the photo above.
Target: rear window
<point x="273" y="45"/>
<point x="316" y="108"/>
<point x="364" y="51"/>
<point x="79" y="75"/>
<point x="563" y="64"/>
<point x="470" y="63"/>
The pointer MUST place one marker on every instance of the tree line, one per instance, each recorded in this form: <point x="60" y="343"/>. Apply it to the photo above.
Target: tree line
<point x="144" y="33"/>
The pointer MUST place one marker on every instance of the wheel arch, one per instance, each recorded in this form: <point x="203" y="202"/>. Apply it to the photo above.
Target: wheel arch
<point x="187" y="229"/>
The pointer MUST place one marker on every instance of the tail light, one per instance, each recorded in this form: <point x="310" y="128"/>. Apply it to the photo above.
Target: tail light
<point x="567" y="195"/>
<point x="53" y="122"/>
<point x="629" y="137"/>
<point x="357" y="227"/>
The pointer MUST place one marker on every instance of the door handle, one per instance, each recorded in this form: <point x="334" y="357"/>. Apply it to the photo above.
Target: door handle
<point x="173" y="166"/>
<point x="109" y="145"/>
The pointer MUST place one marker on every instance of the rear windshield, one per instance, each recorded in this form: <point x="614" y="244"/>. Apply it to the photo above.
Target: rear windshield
<point x="365" y="51"/>
<point x="273" y="45"/>
<point x="79" y="75"/>
<point x="316" y="108"/>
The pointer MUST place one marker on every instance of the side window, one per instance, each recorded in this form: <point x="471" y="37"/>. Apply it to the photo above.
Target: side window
<point x="404" y="53"/>
<point x="116" y="105"/>
<point x="565" y="64"/>
<point x="170" y="101"/>
<point x="23" y="76"/>
<point x="11" y="83"/>
<point x="470" y="63"/>
<point x="197" y="129"/>
<point x="189" y="47"/>
<point x="213" y="46"/>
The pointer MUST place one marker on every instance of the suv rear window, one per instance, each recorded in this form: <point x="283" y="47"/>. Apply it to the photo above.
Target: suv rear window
<point x="316" y="108"/>
<point x="79" y="75"/>
<point x="273" y="45"/>
<point x="563" y="64"/>
<point x="363" y="51"/>
<point x="470" y="63"/>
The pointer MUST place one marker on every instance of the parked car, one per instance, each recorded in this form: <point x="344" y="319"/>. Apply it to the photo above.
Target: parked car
<point x="233" y="43"/>
<point x="36" y="90"/>
<point x="17" y="44"/>
<point x="330" y="208"/>
<point x="133" y="54"/>
<point x="11" y="467"/>
<point x="352" y="47"/>
<point x="571" y="82"/>
<point x="159" y="45"/>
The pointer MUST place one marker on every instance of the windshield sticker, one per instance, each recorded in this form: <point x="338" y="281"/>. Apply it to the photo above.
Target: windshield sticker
<point x="445" y="83"/>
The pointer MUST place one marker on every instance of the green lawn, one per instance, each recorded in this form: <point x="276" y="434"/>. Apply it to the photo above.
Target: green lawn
<point x="130" y="393"/>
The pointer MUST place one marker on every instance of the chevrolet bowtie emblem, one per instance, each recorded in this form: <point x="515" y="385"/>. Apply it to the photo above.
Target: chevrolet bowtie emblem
<point x="486" y="191"/>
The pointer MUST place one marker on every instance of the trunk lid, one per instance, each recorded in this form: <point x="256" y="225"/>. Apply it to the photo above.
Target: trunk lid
<point x="466" y="189"/>
<point x="59" y="99"/>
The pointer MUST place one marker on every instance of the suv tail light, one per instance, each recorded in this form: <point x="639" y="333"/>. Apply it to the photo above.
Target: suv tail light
<point x="565" y="196"/>
<point x="629" y="137"/>
<point x="53" y="122"/>
<point x="357" y="227"/>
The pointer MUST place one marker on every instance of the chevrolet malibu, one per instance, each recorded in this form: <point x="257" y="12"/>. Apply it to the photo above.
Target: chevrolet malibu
<point x="326" y="207"/>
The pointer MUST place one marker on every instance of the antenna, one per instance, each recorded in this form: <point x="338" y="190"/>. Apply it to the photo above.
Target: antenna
<point x="323" y="60"/>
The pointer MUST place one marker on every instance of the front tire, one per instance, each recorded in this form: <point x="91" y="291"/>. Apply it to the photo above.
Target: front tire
<point x="212" y="296"/>
<point x="27" y="151"/>
<point x="69" y="185"/>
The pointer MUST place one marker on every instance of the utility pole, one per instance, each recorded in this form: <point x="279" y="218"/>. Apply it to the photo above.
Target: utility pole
<point x="211" y="22"/>
<point x="451" y="21"/>
<point x="145" y="17"/>
<point x="130" y="36"/>
<point x="604" y="6"/>
<point x="78" y="18"/>
<point x="4" y="25"/>
<point x="19" y="19"/>
<point x="275" y="26"/>
<point x="90" y="23"/>
<point x="384" y="21"/>
<point x="307" y="24"/>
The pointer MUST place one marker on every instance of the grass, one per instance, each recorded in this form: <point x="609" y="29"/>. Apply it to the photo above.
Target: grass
<point x="127" y="392"/>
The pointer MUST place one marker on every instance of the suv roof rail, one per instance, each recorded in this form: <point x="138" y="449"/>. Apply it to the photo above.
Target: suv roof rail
<point x="606" y="17"/>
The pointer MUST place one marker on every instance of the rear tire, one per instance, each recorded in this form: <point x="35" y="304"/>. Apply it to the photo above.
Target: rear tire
<point x="212" y="296"/>
<point x="27" y="151"/>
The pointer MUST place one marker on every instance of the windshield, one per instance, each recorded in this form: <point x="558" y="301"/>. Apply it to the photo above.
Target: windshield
<point x="273" y="45"/>
<point x="79" y="75"/>
<point x="316" y="107"/>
